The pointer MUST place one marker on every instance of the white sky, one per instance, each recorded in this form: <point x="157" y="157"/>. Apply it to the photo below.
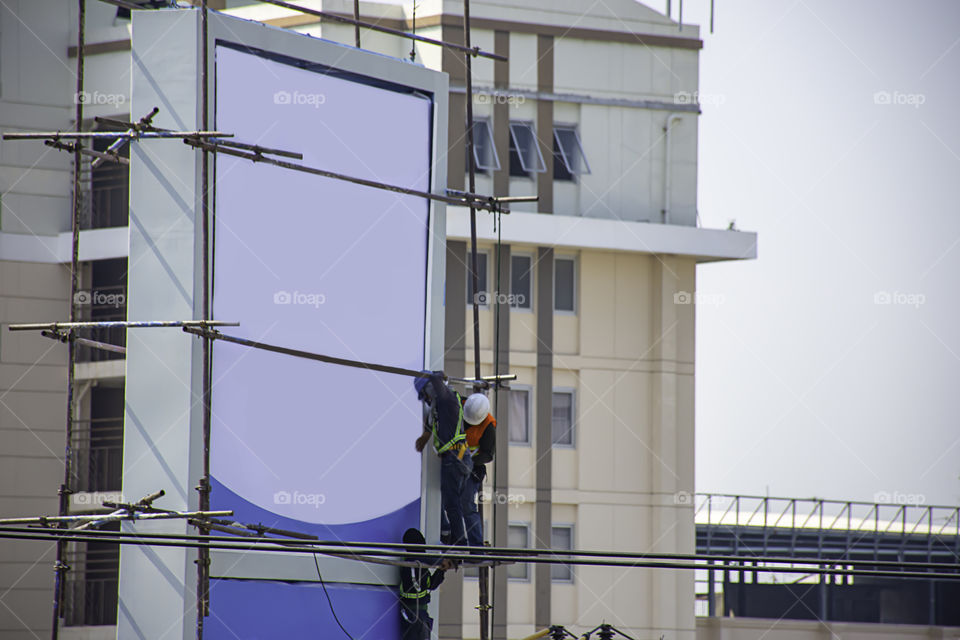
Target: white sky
<point x="805" y="386"/>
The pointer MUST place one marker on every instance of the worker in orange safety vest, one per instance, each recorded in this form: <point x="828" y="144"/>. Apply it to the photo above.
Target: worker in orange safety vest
<point x="482" y="444"/>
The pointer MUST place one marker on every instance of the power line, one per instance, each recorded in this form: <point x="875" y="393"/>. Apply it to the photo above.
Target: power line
<point x="501" y="556"/>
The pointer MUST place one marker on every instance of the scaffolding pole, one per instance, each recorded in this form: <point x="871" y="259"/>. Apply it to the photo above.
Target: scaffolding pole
<point x="203" y="487"/>
<point x="376" y="27"/>
<point x="471" y="199"/>
<point x="65" y="488"/>
<point x="128" y="324"/>
<point x="482" y="382"/>
<point x="93" y="135"/>
<point x="483" y="581"/>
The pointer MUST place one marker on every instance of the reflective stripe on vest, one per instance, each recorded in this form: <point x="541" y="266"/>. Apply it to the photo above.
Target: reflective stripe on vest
<point x="459" y="436"/>
<point x="416" y="595"/>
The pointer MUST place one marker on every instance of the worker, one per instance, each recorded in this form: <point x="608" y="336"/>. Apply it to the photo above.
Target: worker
<point x="482" y="444"/>
<point x="416" y="583"/>
<point x="443" y="421"/>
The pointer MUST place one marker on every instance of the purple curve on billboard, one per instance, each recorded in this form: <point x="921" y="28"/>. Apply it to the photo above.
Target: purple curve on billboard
<point x="326" y="266"/>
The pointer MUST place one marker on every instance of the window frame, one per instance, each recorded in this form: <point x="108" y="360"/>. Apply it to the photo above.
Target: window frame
<point x="529" y="442"/>
<point x="533" y="264"/>
<point x="573" y="545"/>
<point x="536" y="145"/>
<point x="576" y="281"/>
<point x="526" y="565"/>
<point x="573" y="418"/>
<point x="575" y="130"/>
<point x="485" y="275"/>
<point x="488" y="125"/>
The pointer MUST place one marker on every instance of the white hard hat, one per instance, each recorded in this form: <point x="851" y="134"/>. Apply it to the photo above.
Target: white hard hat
<point x="476" y="408"/>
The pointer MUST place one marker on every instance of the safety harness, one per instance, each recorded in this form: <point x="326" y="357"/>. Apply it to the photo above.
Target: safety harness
<point x="457" y="441"/>
<point x="416" y="595"/>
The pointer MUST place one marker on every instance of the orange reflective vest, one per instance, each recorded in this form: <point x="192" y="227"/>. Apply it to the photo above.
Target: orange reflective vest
<point x="475" y="432"/>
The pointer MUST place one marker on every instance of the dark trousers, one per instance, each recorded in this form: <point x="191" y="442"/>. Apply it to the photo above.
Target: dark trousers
<point x="454" y="473"/>
<point x="472" y="517"/>
<point x="415" y="624"/>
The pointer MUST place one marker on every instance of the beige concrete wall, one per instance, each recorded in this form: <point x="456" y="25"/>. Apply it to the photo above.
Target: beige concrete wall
<point x="628" y="354"/>
<point x="756" y="629"/>
<point x="33" y="403"/>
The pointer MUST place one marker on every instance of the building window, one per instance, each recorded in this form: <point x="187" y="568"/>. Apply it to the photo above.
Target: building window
<point x="483" y="298"/>
<point x="484" y="150"/>
<point x="518" y="537"/>
<point x="563" y="423"/>
<point x="521" y="282"/>
<point x="564" y="285"/>
<point x="97" y="442"/>
<point x="561" y="539"/>
<point x="519" y="417"/>
<point x="525" y="156"/>
<point x="92" y="585"/>
<point x="107" y="201"/>
<point x="568" y="157"/>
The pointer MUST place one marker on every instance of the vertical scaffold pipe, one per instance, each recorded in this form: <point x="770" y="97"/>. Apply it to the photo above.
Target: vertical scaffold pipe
<point x="203" y="554"/>
<point x="60" y="566"/>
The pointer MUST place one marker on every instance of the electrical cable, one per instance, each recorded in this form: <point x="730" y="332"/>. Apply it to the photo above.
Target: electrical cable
<point x="490" y="555"/>
<point x="453" y="551"/>
<point x="329" y="601"/>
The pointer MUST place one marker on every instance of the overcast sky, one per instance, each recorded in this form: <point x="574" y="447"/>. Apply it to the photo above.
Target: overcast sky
<point x="832" y="366"/>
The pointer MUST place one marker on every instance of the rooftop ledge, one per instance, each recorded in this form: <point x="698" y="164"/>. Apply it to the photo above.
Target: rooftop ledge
<point x="565" y="232"/>
<point x="575" y="232"/>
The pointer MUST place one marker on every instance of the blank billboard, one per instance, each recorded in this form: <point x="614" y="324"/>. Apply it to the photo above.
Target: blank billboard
<point x="326" y="266"/>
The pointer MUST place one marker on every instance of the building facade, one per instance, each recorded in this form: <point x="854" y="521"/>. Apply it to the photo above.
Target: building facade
<point x="588" y="295"/>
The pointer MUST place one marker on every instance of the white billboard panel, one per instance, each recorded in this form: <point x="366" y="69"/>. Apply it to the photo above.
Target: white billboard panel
<point x="326" y="266"/>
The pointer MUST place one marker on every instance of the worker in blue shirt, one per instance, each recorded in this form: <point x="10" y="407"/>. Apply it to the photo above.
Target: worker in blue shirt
<point x="443" y="422"/>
